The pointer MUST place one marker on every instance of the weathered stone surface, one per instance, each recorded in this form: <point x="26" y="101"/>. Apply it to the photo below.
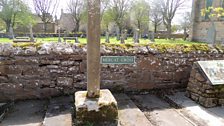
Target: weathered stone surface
<point x="65" y="81"/>
<point x="129" y="114"/>
<point x="99" y="109"/>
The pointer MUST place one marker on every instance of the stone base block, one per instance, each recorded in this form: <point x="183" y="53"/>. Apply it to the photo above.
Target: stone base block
<point x="99" y="109"/>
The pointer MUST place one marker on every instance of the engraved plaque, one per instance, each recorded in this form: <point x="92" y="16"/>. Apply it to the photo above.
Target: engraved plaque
<point x="214" y="70"/>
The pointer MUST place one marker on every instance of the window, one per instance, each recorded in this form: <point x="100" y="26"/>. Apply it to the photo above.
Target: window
<point x="208" y="4"/>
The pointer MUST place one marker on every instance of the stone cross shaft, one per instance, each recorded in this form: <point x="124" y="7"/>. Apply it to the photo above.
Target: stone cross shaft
<point x="93" y="49"/>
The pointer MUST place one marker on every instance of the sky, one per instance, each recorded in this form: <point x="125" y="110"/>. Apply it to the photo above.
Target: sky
<point x="178" y="17"/>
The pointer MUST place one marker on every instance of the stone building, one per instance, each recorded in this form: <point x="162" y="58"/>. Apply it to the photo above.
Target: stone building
<point x="202" y="26"/>
<point x="66" y="22"/>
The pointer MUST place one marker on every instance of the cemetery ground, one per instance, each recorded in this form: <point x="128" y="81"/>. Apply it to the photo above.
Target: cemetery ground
<point x="112" y="41"/>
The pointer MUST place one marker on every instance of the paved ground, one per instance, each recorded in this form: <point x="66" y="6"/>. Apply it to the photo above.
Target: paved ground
<point x="159" y="112"/>
<point x="202" y="116"/>
<point x="129" y="113"/>
<point x="151" y="111"/>
<point x="29" y="113"/>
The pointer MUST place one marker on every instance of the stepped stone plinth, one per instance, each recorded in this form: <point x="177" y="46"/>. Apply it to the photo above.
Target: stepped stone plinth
<point x="99" y="109"/>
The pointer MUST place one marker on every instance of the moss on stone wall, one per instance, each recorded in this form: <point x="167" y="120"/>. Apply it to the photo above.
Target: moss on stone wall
<point x="160" y="48"/>
<point x="27" y="44"/>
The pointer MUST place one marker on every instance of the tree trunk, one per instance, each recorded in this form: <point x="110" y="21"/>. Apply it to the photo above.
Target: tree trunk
<point x="169" y="30"/>
<point x="155" y="28"/>
<point x="139" y="28"/>
<point x="7" y="26"/>
<point x="77" y="26"/>
<point x="45" y="27"/>
<point x="185" y="34"/>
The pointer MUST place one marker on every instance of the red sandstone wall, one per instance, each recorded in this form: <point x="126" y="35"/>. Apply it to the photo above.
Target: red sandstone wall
<point x="56" y="68"/>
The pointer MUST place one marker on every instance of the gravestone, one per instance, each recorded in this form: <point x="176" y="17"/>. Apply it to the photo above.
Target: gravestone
<point x="136" y="36"/>
<point x="66" y="33"/>
<point x="152" y="36"/>
<point x="125" y="34"/>
<point x="31" y="32"/>
<point x="206" y="83"/>
<point x="76" y="40"/>
<point x="122" y="37"/>
<point x="211" y="35"/>
<point x="107" y="37"/>
<point x="59" y="34"/>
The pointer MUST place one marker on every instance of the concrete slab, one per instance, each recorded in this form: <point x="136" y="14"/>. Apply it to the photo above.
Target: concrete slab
<point x="59" y="112"/>
<point x="192" y="110"/>
<point x="128" y="113"/>
<point x="28" y="113"/>
<point x="159" y="112"/>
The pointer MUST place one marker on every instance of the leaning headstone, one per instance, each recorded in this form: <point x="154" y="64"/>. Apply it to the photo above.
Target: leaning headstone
<point x="211" y="36"/>
<point x="206" y="84"/>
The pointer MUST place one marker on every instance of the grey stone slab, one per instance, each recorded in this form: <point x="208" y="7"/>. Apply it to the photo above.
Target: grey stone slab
<point x="160" y="113"/>
<point x="27" y="113"/>
<point x="128" y="113"/>
<point x="203" y="116"/>
<point x="59" y="112"/>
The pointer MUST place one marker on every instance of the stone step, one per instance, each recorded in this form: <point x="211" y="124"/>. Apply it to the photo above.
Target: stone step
<point x="26" y="113"/>
<point x="59" y="112"/>
<point x="128" y="113"/>
<point x="202" y="116"/>
<point x="159" y="112"/>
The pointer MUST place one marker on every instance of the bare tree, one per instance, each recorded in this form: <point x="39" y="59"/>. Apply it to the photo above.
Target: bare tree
<point x="45" y="9"/>
<point x="77" y="9"/>
<point x="168" y="9"/>
<point x="104" y="7"/>
<point x="156" y="17"/>
<point x="119" y="10"/>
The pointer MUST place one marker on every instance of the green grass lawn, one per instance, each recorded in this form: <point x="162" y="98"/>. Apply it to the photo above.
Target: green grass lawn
<point x="112" y="41"/>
